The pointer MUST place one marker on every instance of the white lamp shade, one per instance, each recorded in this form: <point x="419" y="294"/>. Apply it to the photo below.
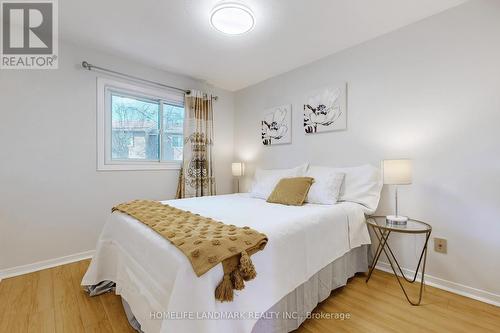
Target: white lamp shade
<point x="397" y="172"/>
<point x="238" y="169"/>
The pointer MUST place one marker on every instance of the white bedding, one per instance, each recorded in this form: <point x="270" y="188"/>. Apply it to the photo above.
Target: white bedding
<point x="153" y="275"/>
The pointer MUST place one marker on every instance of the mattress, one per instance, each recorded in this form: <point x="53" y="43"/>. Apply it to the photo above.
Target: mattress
<point x="163" y="292"/>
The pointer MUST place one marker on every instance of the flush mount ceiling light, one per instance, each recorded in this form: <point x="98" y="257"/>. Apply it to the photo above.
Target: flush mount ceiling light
<point x="232" y="18"/>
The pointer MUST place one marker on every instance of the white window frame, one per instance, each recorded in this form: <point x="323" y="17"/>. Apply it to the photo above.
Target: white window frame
<point x="104" y="88"/>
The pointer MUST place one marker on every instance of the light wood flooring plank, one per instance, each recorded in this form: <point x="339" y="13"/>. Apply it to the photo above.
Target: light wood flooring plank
<point x="53" y="301"/>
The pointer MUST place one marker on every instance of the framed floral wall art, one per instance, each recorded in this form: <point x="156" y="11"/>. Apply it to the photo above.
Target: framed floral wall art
<point x="326" y="110"/>
<point x="277" y="125"/>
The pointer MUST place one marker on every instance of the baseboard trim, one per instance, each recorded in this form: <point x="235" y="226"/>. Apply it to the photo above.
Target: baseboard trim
<point x="453" y="287"/>
<point x="38" y="266"/>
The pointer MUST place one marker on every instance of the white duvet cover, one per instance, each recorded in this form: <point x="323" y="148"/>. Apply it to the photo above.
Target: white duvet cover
<point x="165" y="295"/>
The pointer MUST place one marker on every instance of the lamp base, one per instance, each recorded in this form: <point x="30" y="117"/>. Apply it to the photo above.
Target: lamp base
<point x="396" y="219"/>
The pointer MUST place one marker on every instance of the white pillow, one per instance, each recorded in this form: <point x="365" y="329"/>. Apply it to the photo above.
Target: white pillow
<point x="362" y="185"/>
<point x="265" y="180"/>
<point x="326" y="187"/>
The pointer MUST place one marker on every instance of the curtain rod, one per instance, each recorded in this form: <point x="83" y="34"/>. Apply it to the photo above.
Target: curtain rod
<point x="90" y="67"/>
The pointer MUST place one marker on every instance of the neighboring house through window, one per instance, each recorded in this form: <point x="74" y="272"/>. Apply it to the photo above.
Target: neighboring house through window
<point x="139" y="128"/>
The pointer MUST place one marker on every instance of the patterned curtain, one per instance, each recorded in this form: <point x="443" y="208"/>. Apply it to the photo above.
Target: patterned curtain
<point x="197" y="178"/>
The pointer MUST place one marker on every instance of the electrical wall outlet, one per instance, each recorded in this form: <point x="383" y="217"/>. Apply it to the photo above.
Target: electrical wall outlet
<point x="440" y="245"/>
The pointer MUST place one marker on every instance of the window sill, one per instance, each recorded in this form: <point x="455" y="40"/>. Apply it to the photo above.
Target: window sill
<point x="138" y="166"/>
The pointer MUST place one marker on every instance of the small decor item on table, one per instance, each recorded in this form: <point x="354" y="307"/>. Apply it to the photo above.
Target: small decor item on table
<point x="291" y="191"/>
<point x="238" y="170"/>
<point x="326" y="111"/>
<point x="277" y="125"/>
<point x="397" y="172"/>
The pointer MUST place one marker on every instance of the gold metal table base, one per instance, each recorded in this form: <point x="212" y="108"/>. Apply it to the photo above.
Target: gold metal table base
<point x="383" y="246"/>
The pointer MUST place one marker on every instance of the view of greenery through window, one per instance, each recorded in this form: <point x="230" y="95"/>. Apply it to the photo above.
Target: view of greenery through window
<point x="136" y="126"/>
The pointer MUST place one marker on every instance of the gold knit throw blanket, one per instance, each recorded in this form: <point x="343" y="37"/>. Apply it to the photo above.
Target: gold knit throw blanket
<point x="204" y="241"/>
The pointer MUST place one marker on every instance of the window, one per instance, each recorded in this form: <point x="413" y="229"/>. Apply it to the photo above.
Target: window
<point x="138" y="128"/>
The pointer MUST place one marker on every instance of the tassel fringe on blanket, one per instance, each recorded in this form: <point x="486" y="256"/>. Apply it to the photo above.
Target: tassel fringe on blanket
<point x="204" y="241"/>
<point x="234" y="277"/>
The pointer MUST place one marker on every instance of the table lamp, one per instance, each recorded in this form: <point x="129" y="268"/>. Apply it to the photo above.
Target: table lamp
<point x="238" y="169"/>
<point x="397" y="172"/>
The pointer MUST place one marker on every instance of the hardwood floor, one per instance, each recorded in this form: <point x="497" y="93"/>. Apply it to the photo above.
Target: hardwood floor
<point x="52" y="301"/>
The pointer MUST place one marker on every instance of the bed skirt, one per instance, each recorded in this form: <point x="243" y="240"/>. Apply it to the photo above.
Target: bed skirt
<point x="315" y="290"/>
<point x="291" y="311"/>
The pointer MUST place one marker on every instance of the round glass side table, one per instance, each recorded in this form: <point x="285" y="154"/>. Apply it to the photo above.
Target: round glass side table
<point x="383" y="230"/>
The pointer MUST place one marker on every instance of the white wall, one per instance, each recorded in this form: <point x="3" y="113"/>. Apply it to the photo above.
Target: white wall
<point x="53" y="202"/>
<point x="430" y="92"/>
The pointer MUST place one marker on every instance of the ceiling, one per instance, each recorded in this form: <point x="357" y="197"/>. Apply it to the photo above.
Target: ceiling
<point x="175" y="35"/>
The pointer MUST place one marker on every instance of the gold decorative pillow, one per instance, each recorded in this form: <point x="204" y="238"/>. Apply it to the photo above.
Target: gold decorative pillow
<point x="291" y="191"/>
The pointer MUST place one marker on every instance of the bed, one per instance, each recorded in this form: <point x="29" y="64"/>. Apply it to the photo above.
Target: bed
<point x="306" y="244"/>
